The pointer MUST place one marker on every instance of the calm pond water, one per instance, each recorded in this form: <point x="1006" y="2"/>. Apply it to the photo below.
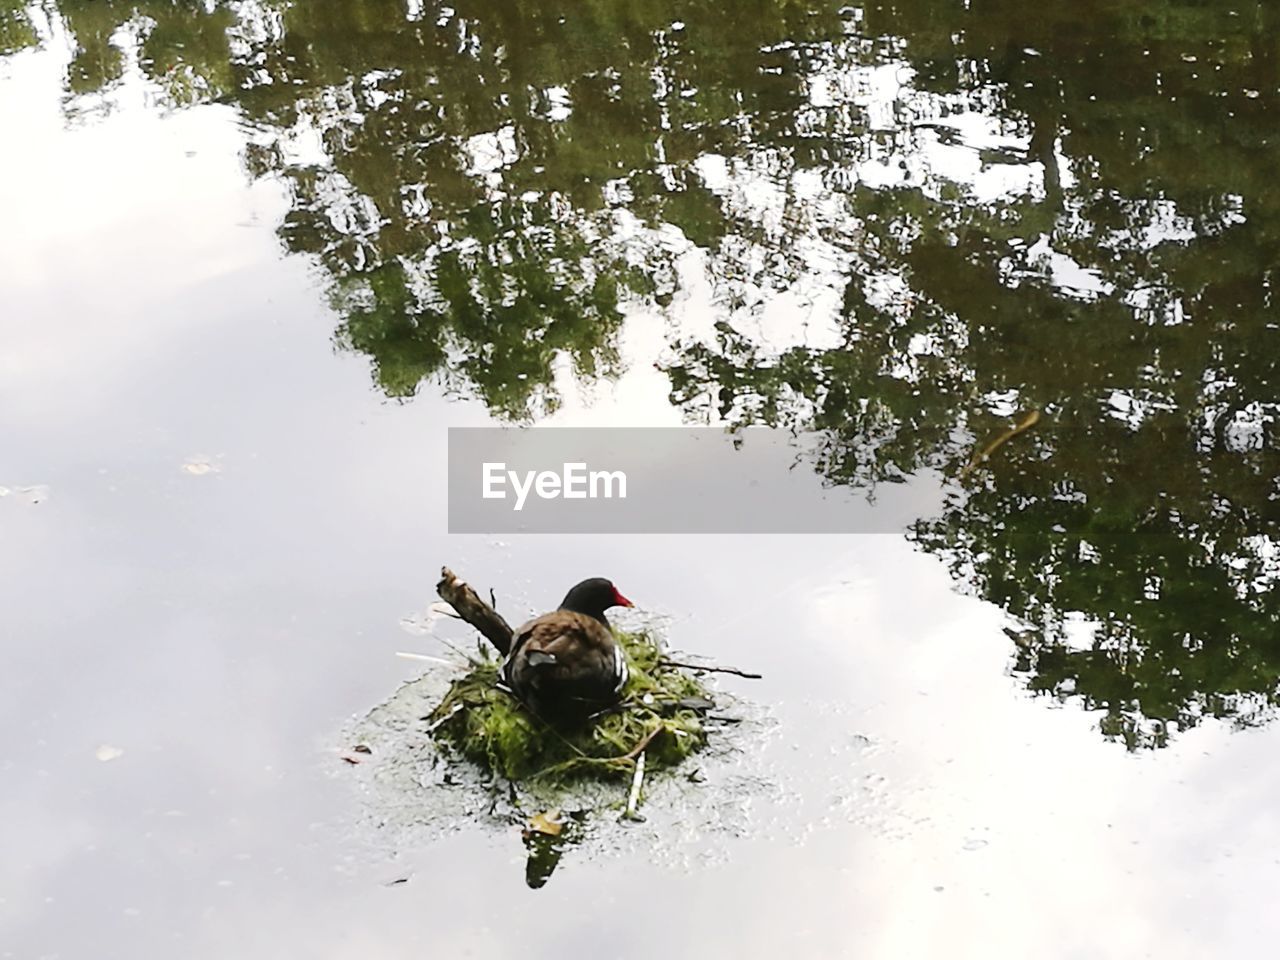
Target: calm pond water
<point x="258" y="256"/>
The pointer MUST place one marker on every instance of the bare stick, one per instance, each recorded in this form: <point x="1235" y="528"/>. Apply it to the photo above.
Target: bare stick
<point x="638" y="750"/>
<point x="633" y="798"/>
<point x="445" y="719"/>
<point x="664" y="662"/>
<point x="459" y="595"/>
<point x="422" y="656"/>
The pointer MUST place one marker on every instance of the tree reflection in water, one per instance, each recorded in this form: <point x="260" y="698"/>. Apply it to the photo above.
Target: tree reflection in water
<point x="980" y="214"/>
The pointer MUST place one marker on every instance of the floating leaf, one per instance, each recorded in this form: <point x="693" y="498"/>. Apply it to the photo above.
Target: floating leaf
<point x="199" y="465"/>
<point x="548" y="823"/>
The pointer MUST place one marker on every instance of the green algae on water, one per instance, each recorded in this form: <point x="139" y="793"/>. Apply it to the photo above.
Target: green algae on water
<point x="662" y="714"/>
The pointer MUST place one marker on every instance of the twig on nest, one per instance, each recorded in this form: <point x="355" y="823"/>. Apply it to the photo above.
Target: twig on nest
<point x="664" y="662"/>
<point x="637" y="751"/>
<point x="444" y="609"/>
<point x="445" y="717"/>
<point x="459" y="595"/>
<point x="408" y="655"/>
<point x="633" y="798"/>
<point x="462" y="653"/>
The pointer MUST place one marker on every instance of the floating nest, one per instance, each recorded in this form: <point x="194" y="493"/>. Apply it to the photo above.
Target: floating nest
<point x="662" y="715"/>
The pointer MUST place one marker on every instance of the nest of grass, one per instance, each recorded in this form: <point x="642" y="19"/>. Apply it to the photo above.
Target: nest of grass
<point x="662" y="714"/>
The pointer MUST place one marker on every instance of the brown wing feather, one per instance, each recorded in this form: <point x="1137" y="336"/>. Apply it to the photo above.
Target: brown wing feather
<point x="584" y="668"/>
<point x="580" y="644"/>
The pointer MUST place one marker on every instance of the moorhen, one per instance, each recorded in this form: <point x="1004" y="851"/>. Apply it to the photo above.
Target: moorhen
<point x="566" y="665"/>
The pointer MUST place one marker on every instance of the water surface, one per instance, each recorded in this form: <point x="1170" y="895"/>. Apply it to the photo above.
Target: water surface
<point x="258" y="257"/>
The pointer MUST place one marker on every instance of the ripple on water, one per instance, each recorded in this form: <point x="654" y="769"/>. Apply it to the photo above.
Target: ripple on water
<point x="415" y="792"/>
<point x="751" y="781"/>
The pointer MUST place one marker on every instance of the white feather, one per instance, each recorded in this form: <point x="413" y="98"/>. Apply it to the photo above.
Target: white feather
<point x="619" y="668"/>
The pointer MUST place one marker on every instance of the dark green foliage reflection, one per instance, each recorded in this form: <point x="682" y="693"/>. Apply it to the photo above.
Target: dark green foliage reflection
<point x="977" y="212"/>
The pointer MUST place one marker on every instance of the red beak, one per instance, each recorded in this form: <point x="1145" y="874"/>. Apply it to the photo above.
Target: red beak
<point x="620" y="600"/>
